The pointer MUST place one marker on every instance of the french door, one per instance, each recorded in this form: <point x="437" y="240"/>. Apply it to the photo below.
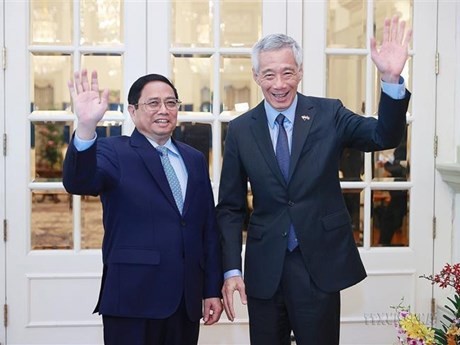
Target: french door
<point x="52" y="258"/>
<point x="2" y="172"/>
<point x="392" y="213"/>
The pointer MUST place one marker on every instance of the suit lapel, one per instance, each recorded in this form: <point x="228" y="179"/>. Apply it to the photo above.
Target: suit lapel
<point x="153" y="164"/>
<point x="304" y="117"/>
<point x="259" y="129"/>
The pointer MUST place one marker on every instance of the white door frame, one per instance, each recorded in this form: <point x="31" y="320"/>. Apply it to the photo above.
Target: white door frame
<point x="2" y="178"/>
<point x="51" y="293"/>
<point x="393" y="273"/>
<point x="17" y="157"/>
<point x="447" y="195"/>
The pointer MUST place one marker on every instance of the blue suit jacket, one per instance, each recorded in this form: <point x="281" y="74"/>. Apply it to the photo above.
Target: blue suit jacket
<point x="311" y="200"/>
<point x="153" y="256"/>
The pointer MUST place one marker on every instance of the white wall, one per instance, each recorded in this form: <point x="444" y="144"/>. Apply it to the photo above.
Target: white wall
<point x="447" y="198"/>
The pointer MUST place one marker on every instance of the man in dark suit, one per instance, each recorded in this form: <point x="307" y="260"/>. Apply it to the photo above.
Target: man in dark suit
<point x="300" y="250"/>
<point x="161" y="251"/>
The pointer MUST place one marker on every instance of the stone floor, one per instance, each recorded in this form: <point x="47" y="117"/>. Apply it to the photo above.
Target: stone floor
<point x="52" y="222"/>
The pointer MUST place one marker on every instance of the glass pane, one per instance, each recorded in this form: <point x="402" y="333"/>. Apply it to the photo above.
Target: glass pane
<point x="351" y="71"/>
<point x="346" y="24"/>
<point x="51" y="221"/>
<point x="238" y="88"/>
<point x="194" y="70"/>
<point x="351" y="165"/>
<point x="354" y="202"/>
<point x="394" y="164"/>
<point x="49" y="76"/>
<point x="197" y="135"/>
<point x="390" y="218"/>
<point x="389" y="8"/>
<point x="92" y="230"/>
<point x="108" y="129"/>
<point x="101" y="22"/>
<point x="51" y="22"/>
<point x="110" y="74"/>
<point x="249" y="210"/>
<point x="240" y="22"/>
<point x="49" y="141"/>
<point x="223" y="134"/>
<point x="191" y="24"/>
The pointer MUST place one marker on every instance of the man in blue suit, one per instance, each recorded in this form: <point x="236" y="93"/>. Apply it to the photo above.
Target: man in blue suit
<point x="300" y="250"/>
<point x="161" y="253"/>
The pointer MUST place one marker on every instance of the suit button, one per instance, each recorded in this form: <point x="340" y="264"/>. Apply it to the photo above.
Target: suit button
<point x="291" y="203"/>
<point x="183" y="223"/>
<point x="284" y="234"/>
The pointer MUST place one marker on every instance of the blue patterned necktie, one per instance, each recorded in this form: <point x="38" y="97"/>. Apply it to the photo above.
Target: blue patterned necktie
<point x="283" y="157"/>
<point x="172" y="177"/>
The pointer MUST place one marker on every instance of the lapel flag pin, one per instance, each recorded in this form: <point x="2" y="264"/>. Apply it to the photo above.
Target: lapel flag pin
<point x="305" y="117"/>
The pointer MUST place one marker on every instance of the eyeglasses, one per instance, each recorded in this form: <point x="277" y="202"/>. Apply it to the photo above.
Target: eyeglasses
<point x="155" y="104"/>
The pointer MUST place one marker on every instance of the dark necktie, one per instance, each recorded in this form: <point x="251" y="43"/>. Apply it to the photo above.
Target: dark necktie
<point x="172" y="177"/>
<point x="283" y="157"/>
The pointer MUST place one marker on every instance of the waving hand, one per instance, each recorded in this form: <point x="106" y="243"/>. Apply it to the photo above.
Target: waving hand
<point x="89" y="104"/>
<point x="393" y="53"/>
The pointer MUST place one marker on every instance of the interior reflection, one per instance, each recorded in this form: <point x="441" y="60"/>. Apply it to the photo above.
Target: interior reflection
<point x="390" y="218"/>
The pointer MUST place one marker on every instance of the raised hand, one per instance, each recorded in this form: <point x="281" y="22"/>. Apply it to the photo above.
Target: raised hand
<point x="393" y="53"/>
<point x="88" y="103"/>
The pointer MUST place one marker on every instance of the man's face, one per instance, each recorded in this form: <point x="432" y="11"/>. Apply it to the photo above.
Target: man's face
<point x="155" y="124"/>
<point x="278" y="77"/>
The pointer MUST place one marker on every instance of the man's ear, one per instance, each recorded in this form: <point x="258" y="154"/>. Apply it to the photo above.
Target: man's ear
<point x="301" y="72"/>
<point x="132" y="110"/>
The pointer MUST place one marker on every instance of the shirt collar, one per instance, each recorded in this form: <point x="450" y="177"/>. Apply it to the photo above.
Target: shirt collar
<point x="169" y="145"/>
<point x="272" y="113"/>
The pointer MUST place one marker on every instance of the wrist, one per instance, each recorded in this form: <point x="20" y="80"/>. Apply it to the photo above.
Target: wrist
<point x="391" y="79"/>
<point x="85" y="133"/>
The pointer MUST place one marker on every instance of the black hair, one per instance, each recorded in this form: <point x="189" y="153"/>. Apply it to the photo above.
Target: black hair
<point x="136" y="89"/>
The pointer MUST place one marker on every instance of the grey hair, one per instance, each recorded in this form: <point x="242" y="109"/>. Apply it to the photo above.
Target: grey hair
<point x="275" y="42"/>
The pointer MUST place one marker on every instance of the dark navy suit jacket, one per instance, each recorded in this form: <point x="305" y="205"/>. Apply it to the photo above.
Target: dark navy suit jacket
<point x="312" y="199"/>
<point x="153" y="256"/>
